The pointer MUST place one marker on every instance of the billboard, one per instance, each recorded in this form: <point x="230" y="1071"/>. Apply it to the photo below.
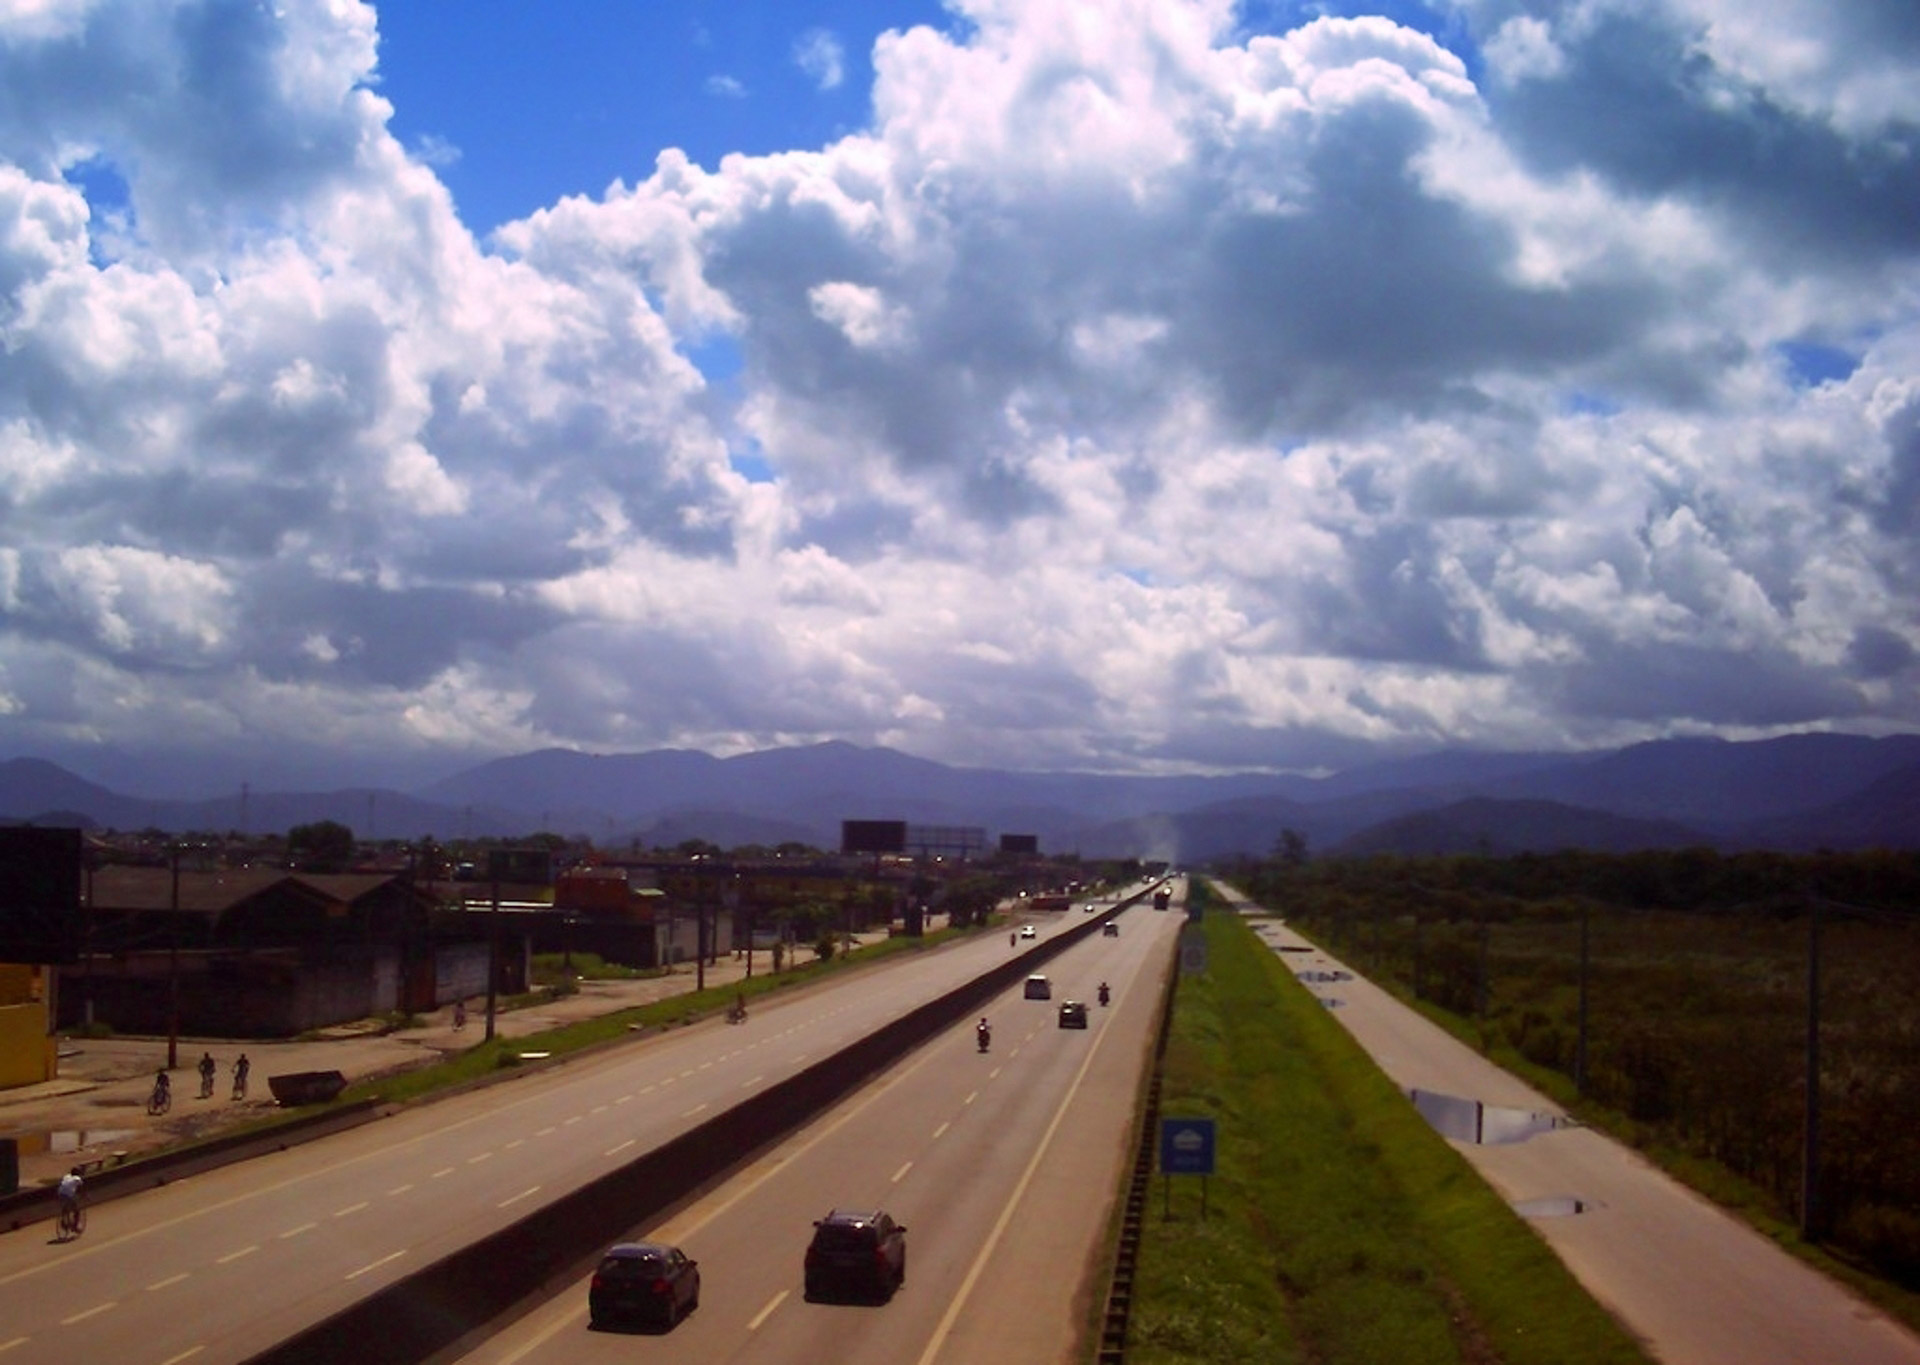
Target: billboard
<point x="40" y="916"/>
<point x="1019" y="843"/>
<point x="873" y="836"/>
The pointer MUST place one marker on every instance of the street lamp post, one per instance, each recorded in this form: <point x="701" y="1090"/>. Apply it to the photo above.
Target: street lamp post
<point x="173" y="960"/>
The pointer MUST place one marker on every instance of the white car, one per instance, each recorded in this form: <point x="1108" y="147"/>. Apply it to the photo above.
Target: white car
<point x="1028" y="931"/>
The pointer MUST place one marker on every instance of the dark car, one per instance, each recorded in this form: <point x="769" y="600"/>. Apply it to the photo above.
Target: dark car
<point x="858" y="1254"/>
<point x="1073" y="1014"/>
<point x="1110" y="929"/>
<point x="643" y="1282"/>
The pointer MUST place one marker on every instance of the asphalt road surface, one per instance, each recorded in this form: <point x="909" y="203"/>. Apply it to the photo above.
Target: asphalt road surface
<point x="221" y="1265"/>
<point x="1003" y="1167"/>
<point x="1697" y="1286"/>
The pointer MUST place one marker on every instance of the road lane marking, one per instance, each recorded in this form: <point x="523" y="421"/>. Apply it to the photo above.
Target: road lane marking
<point x="515" y="1199"/>
<point x="399" y="1189"/>
<point x="476" y="1160"/>
<point x="623" y="1099"/>
<point x="517" y="1142"/>
<point x="9" y="1345"/>
<point x="750" y="1084"/>
<point x="974" y="1271"/>
<point x="96" y="1309"/>
<point x="753" y="1324"/>
<point x="167" y="1283"/>
<point x="568" y="1123"/>
<point x="940" y="1130"/>
<point x="619" y="1147"/>
<point x="295" y="1232"/>
<point x="187" y="1354"/>
<point x="691" y="1112"/>
<point x="901" y="1174"/>
<point x="971" y="1097"/>
<point x="599" y="1109"/>
<point x="550" y="1128"/>
<point x="375" y="1265"/>
<point x="444" y="1170"/>
<point x="351" y="1208"/>
<point x="232" y="1256"/>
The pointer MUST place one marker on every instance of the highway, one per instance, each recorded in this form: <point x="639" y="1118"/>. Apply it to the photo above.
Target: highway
<point x="1003" y="1167"/>
<point x="219" y="1266"/>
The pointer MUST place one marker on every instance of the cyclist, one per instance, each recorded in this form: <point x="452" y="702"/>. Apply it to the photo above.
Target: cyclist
<point x="240" y="1070"/>
<point x="72" y="1220"/>
<point x="162" y="1098"/>
<point x="207" y="1068"/>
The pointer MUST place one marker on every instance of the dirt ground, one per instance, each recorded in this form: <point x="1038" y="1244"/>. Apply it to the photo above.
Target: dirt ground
<point x="95" y="1110"/>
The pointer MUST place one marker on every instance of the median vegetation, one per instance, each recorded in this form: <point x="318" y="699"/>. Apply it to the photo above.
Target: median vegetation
<point x="1338" y="1229"/>
<point x="484" y="1059"/>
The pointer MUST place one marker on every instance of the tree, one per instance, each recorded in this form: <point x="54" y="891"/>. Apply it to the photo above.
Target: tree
<point x="324" y="846"/>
<point x="1291" y="848"/>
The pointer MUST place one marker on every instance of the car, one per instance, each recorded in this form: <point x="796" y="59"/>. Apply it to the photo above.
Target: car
<point x="644" y="1282"/>
<point x="858" y="1253"/>
<point x="1110" y="930"/>
<point x="1028" y="931"/>
<point x="1073" y="1014"/>
<point x="1038" y="988"/>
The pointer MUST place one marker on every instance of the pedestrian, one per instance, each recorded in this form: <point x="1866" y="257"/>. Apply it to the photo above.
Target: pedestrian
<point x="459" y="1015"/>
<point x="240" y="1069"/>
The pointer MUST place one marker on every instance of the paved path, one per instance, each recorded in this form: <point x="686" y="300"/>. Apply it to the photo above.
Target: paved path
<point x="1695" y="1285"/>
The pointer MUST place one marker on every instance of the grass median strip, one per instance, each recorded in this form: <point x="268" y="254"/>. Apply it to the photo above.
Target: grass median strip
<point x="1339" y="1229"/>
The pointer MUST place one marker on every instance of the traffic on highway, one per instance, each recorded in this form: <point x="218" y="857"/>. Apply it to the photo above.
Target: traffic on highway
<point x="222" y="1266"/>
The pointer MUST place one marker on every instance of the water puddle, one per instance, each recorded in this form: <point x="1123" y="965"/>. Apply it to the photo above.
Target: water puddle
<point x="1482" y="1125"/>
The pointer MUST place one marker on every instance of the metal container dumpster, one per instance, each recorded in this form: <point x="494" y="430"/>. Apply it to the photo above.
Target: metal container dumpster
<point x="296" y="1088"/>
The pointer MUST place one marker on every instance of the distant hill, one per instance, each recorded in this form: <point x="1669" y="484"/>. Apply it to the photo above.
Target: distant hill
<point x="1797" y="792"/>
<point x="1487" y="825"/>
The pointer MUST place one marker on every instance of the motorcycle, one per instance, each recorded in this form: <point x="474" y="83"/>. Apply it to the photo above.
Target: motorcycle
<point x="1104" y="994"/>
<point x="984" y="1036"/>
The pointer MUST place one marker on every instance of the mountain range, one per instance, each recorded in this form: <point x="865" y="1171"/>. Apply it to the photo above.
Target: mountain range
<point x="1798" y="792"/>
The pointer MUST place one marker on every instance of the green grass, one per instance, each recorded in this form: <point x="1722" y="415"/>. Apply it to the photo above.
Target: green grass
<point x="484" y="1060"/>
<point x="1341" y="1230"/>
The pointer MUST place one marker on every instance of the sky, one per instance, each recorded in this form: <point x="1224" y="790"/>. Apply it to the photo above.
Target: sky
<point x="1133" y="386"/>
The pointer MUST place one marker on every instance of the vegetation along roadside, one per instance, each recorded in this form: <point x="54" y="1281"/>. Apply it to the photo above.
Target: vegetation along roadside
<point x="1677" y="1000"/>
<point x="1338" y="1228"/>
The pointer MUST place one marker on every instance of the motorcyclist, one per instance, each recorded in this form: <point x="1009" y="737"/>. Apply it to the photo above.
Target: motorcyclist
<point x="983" y="1033"/>
<point x="1105" y="994"/>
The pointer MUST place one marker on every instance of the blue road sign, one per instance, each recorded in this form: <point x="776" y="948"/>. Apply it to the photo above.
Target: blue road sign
<point x="1186" y="1146"/>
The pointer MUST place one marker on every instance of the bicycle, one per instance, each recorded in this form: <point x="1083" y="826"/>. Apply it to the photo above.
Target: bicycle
<point x="160" y="1100"/>
<point x="73" y="1219"/>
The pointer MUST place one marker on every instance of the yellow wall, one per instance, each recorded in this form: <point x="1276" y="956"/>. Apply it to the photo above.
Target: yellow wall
<point x="28" y="1054"/>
